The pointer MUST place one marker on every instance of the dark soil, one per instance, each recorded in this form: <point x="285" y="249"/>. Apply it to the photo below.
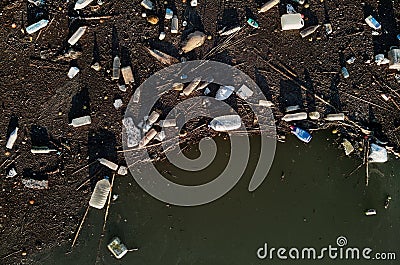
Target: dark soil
<point x="39" y="98"/>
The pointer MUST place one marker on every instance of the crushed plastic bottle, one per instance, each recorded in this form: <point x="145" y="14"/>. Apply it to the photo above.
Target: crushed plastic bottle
<point x="37" y="26"/>
<point x="169" y="14"/>
<point x="108" y="163"/>
<point x="100" y="194"/>
<point x="77" y="35"/>
<point x="308" y="31"/>
<point x="12" y="138"/>
<point x="174" y="25"/>
<point x="301" y="134"/>
<point x="268" y="5"/>
<point x="116" y="68"/>
<point x="73" y="71"/>
<point x="372" y="22"/>
<point x="345" y="72"/>
<point x="85" y="120"/>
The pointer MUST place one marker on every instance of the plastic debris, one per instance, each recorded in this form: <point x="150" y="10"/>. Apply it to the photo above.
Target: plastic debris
<point x="11" y="173"/>
<point x="351" y="60"/>
<point x="193" y="3"/>
<point x="73" y="71"/>
<point x="308" y="31"/>
<point x="226" y="123"/>
<point x="42" y="150"/>
<point x="295" y="116"/>
<point x="81" y="121"/>
<point x="167" y="123"/>
<point x="345" y="72"/>
<point x="265" y="103"/>
<point x="328" y="28"/>
<point x="169" y="14"/>
<point x="132" y="132"/>
<point x="174" y="25"/>
<point x="108" y="163"/>
<point x="380" y="59"/>
<point x="370" y="212"/>
<point x="387" y="201"/>
<point x="244" y="92"/>
<point x="314" y="115"/>
<point x="122" y="170"/>
<point x="292" y="108"/>
<point x="335" y="117"/>
<point x="117" y="103"/>
<point x="348" y="147"/>
<point x="194" y="40"/>
<point x="35" y="184"/>
<point x="371" y="21"/>
<point x="127" y="74"/>
<point x="300" y="2"/>
<point x="192" y="86"/>
<point x="12" y="138"/>
<point x="163" y="57"/>
<point x="301" y="134"/>
<point x="230" y="31"/>
<point x="147" y="4"/>
<point x="82" y="4"/>
<point x="268" y="5"/>
<point x="117" y="248"/>
<point x="290" y="9"/>
<point x="162" y="35"/>
<point x="152" y="19"/>
<point x="224" y="92"/>
<point x="385" y="97"/>
<point x="96" y="66"/>
<point x="122" y="87"/>
<point x="160" y="136"/>
<point x="147" y="138"/>
<point x="100" y="194"/>
<point x="37" y="26"/>
<point x="252" y="23"/>
<point x="77" y="35"/>
<point x="116" y="68"/>
<point x="37" y="2"/>
<point x="394" y="58"/>
<point x="292" y="21"/>
<point x="378" y="154"/>
<point x="115" y="197"/>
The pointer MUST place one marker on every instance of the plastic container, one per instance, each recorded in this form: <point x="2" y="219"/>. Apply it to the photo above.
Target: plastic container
<point x="100" y="194"/>
<point x="85" y="120"/>
<point x="292" y="21"/>
<point x="295" y="116"/>
<point x="174" y="24"/>
<point x="373" y="23"/>
<point x="116" y="68"/>
<point x="226" y="123"/>
<point x="37" y="26"/>
<point x="268" y="5"/>
<point x="12" y="138"/>
<point x="77" y="35"/>
<point x="73" y="71"/>
<point x="301" y="134"/>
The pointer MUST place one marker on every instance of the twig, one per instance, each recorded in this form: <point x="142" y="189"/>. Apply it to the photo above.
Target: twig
<point x="365" y="101"/>
<point x="80" y="227"/>
<point x="366" y="162"/>
<point x="82" y="168"/>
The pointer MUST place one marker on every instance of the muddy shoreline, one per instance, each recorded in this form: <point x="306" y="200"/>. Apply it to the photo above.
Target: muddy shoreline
<point x="39" y="98"/>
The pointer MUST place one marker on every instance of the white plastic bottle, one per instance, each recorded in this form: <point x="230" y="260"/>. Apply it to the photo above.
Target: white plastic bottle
<point x="174" y="24"/>
<point x="100" y="194"/>
<point x="11" y="140"/>
<point x="116" y="68"/>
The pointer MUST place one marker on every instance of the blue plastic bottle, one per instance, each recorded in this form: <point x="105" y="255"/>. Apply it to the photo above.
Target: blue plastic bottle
<point x="301" y="134"/>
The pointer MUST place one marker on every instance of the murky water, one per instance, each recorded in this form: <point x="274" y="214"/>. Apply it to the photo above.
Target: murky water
<point x="315" y="203"/>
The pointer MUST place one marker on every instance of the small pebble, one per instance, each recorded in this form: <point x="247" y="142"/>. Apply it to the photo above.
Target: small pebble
<point x="31" y="202"/>
<point x="306" y="5"/>
<point x="13" y="25"/>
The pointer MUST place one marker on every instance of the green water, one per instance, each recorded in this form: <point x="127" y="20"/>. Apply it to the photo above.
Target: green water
<point x="313" y="204"/>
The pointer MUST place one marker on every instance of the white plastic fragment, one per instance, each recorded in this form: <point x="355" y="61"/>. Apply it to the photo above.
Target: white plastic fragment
<point x="132" y="132"/>
<point x="314" y="115"/>
<point x="378" y="154"/>
<point x="267" y="6"/>
<point x="12" y="138"/>
<point x="147" y="4"/>
<point x="11" y="173"/>
<point x="295" y="116"/>
<point x="35" y="184"/>
<point x="169" y="13"/>
<point x="335" y="117"/>
<point x="167" y="123"/>
<point x="108" y="163"/>
<point x="122" y="170"/>
<point x="244" y="92"/>
<point x="82" y="4"/>
<point x="265" y="103"/>
<point x="37" y="26"/>
<point x="160" y="136"/>
<point x="224" y="92"/>
<point x="42" y="150"/>
<point x="193" y="3"/>
<point x="194" y="40"/>
<point x="162" y="35"/>
<point x="117" y="103"/>
<point x="73" y="71"/>
<point x="226" y="123"/>
<point x="77" y="35"/>
<point x="117" y="248"/>
<point x="81" y="121"/>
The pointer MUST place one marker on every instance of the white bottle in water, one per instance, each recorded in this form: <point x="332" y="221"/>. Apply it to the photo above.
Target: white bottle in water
<point x="116" y="65"/>
<point x="100" y="194"/>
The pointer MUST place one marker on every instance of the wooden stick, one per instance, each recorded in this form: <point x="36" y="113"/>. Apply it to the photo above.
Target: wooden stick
<point x="365" y="101"/>
<point x="366" y="161"/>
<point x="82" y="168"/>
<point x="80" y="227"/>
<point x="108" y="203"/>
<point x="86" y="181"/>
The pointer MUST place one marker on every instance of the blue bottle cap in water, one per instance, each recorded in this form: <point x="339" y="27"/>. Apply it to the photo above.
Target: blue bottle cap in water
<point x="398" y="36"/>
<point x="106" y="177"/>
